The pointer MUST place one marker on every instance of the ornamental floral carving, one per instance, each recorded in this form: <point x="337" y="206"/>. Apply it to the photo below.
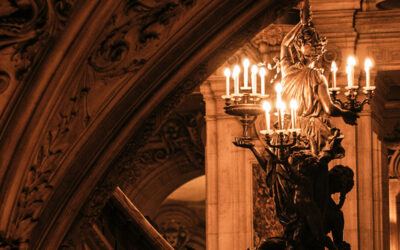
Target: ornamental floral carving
<point x="134" y="36"/>
<point x="26" y="26"/>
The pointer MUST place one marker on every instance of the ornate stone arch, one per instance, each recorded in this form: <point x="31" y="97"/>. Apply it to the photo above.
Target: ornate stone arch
<point x="112" y="74"/>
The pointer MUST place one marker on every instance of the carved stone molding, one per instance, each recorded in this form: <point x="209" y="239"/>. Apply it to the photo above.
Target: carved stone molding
<point x="26" y="28"/>
<point x="71" y="117"/>
<point x="133" y="36"/>
<point x="121" y="167"/>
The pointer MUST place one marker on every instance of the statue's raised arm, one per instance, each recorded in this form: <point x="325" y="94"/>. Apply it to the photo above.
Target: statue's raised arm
<point x="286" y="56"/>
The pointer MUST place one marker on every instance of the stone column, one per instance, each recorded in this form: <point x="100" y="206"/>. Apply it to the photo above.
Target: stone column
<point x="366" y="207"/>
<point x="229" y="215"/>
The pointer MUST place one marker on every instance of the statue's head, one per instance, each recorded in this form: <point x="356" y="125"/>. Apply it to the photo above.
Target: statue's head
<point x="309" y="44"/>
<point x="341" y="179"/>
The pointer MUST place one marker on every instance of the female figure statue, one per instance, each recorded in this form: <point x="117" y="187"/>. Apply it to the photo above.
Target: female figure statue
<point x="302" y="81"/>
<point x="300" y="183"/>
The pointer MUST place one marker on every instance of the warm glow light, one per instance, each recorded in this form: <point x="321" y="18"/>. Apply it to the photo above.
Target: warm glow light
<point x="293" y="104"/>
<point x="351" y="61"/>
<point x="266" y="106"/>
<point x="246" y="63"/>
<point x="334" y="70"/>
<point x="236" y="70"/>
<point x="227" y="72"/>
<point x="367" y="64"/>
<point x="282" y="106"/>
<point x="334" y="67"/>
<point x="263" y="72"/>
<point x="293" y="108"/>
<point x="254" y="69"/>
<point x="278" y="88"/>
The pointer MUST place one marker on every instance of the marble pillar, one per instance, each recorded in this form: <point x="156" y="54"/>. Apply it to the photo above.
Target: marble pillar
<point x="366" y="209"/>
<point x="229" y="213"/>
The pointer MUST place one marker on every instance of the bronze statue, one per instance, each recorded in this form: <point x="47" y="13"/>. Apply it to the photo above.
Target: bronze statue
<point x="302" y="81"/>
<point x="299" y="178"/>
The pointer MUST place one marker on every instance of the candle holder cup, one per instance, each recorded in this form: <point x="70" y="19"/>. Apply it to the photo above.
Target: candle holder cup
<point x="281" y="142"/>
<point x="247" y="106"/>
<point x="352" y="103"/>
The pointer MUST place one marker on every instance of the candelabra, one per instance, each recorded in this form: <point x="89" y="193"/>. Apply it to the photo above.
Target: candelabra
<point x="352" y="101"/>
<point x="299" y="154"/>
<point x="248" y="104"/>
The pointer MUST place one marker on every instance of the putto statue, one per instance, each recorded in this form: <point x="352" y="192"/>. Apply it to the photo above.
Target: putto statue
<point x="298" y="173"/>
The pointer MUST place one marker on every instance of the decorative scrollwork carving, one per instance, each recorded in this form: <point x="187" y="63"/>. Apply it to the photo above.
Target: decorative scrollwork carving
<point x="127" y="168"/>
<point x="38" y="183"/>
<point x="25" y="28"/>
<point x="4" y="81"/>
<point x="134" y="37"/>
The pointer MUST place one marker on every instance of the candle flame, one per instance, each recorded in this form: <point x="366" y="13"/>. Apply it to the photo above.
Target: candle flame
<point x="266" y="106"/>
<point x="254" y="69"/>
<point x="262" y="72"/>
<point x="246" y="63"/>
<point x="348" y="69"/>
<point x="367" y="64"/>
<point x="281" y="106"/>
<point x="227" y="72"/>
<point x="293" y="104"/>
<point x="334" y="67"/>
<point x="278" y="87"/>
<point x="236" y="70"/>
<point x="351" y="61"/>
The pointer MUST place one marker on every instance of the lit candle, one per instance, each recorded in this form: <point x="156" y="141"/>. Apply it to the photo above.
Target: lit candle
<point x="367" y="65"/>
<point x="262" y="73"/>
<point x="227" y="73"/>
<point x="236" y="71"/>
<point x="278" y="89"/>
<point x="246" y="64"/>
<point x="351" y="61"/>
<point x="267" y="108"/>
<point x="254" y="71"/>
<point x="334" y="70"/>
<point x="293" y="108"/>
<point x="281" y="113"/>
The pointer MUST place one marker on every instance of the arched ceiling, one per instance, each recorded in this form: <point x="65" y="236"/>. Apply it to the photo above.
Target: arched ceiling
<point x="81" y="79"/>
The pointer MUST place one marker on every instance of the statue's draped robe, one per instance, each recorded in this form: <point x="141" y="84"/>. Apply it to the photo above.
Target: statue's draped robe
<point x="301" y="83"/>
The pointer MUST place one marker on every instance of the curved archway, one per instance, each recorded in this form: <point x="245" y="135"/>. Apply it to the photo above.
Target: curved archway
<point x="75" y="116"/>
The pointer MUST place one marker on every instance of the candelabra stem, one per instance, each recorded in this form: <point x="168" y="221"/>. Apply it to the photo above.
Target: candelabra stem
<point x="247" y="121"/>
